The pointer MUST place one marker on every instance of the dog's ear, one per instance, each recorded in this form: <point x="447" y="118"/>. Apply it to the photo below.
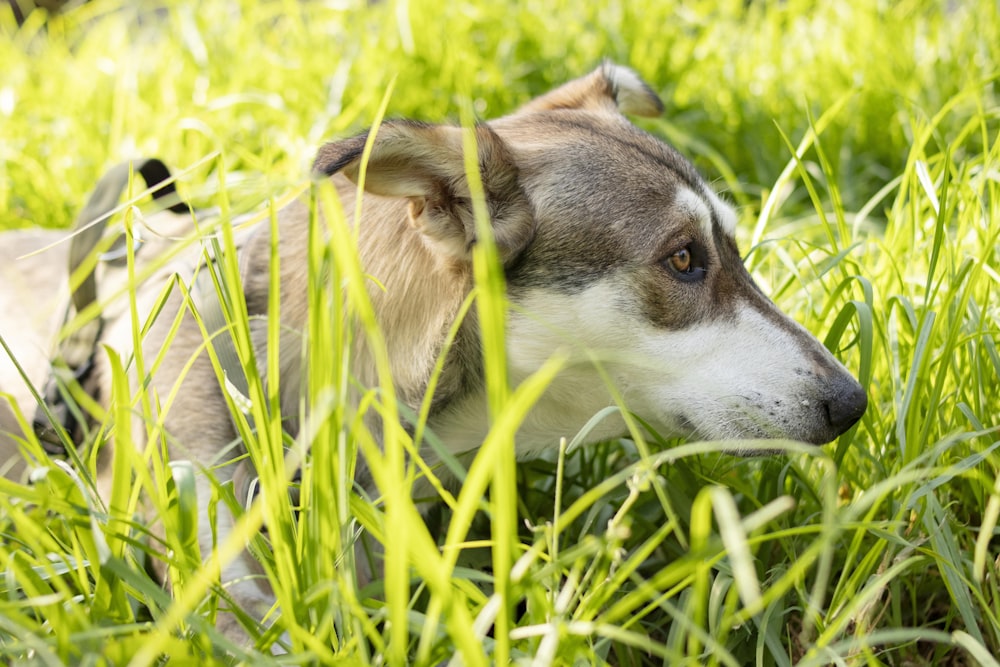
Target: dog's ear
<point x="608" y="88"/>
<point x="426" y="164"/>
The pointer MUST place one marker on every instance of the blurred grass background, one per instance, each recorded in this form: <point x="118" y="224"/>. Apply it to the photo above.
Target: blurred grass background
<point x="266" y="82"/>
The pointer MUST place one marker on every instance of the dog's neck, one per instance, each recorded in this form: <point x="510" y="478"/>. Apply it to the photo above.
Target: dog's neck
<point x="415" y="295"/>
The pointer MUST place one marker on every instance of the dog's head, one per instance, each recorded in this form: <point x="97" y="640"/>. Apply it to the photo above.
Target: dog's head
<point x="614" y="244"/>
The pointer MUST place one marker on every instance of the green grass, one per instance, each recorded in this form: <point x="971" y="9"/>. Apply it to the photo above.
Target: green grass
<point x="860" y="141"/>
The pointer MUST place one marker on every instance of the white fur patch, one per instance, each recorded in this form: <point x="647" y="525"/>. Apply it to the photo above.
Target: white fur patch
<point x="701" y="206"/>
<point x="632" y="95"/>
<point x="739" y="377"/>
<point x="691" y="204"/>
<point x="725" y="213"/>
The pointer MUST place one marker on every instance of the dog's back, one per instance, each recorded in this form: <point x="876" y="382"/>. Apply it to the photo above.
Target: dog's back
<point x="33" y="301"/>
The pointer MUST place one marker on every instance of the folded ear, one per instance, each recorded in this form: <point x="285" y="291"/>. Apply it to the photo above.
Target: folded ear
<point x="425" y="164"/>
<point x="608" y="88"/>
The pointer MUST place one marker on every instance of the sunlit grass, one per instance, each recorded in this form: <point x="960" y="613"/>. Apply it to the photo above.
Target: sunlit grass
<point x="860" y="141"/>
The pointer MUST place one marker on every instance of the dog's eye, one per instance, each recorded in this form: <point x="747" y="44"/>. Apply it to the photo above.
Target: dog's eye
<point x="681" y="260"/>
<point x="687" y="264"/>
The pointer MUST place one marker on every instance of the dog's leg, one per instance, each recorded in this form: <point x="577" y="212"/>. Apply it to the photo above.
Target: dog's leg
<point x="198" y="428"/>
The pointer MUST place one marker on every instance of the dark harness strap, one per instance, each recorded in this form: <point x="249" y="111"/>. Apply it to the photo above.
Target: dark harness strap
<point x="74" y="357"/>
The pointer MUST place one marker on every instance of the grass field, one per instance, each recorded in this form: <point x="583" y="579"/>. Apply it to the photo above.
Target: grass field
<point x="860" y="142"/>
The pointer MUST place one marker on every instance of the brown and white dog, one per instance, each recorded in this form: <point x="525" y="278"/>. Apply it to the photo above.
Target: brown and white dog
<point x="611" y="243"/>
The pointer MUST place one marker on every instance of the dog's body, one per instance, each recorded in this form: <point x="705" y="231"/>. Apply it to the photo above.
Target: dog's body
<point x="613" y="247"/>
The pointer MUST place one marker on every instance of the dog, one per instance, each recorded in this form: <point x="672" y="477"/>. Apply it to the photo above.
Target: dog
<point x="612" y="246"/>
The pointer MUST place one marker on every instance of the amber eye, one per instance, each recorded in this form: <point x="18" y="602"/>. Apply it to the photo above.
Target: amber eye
<point x="681" y="260"/>
<point x="686" y="264"/>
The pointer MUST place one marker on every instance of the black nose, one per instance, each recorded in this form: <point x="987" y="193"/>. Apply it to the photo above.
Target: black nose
<point x="846" y="403"/>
